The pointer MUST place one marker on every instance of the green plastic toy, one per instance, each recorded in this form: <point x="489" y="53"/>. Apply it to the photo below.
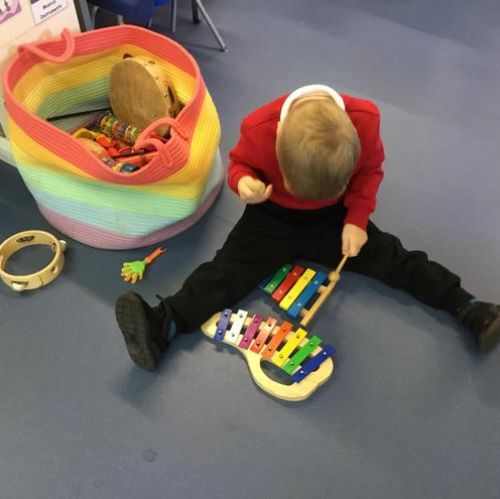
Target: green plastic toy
<point x="134" y="271"/>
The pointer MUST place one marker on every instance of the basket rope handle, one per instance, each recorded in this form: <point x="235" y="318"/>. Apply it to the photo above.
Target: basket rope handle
<point x="69" y="51"/>
<point x="163" y="121"/>
<point x="162" y="148"/>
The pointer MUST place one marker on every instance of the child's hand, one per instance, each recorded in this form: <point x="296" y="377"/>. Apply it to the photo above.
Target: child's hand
<point x="353" y="239"/>
<point x="253" y="191"/>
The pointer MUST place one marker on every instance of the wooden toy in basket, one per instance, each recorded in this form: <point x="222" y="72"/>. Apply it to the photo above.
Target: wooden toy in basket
<point x="303" y="360"/>
<point x="295" y="288"/>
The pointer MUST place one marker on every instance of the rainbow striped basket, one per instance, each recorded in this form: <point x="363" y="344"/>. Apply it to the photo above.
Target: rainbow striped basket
<point x="75" y="191"/>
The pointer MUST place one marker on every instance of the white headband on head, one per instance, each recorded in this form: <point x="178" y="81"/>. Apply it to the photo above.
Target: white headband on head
<point x="310" y="89"/>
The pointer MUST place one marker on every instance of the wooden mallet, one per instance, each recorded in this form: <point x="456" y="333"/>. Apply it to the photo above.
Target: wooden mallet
<point x="324" y="292"/>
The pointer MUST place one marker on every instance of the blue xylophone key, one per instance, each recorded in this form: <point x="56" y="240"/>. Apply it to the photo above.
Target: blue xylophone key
<point x="223" y="324"/>
<point x="306" y="295"/>
<point x="314" y="363"/>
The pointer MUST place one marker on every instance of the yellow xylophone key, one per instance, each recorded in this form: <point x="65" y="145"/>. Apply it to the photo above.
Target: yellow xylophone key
<point x="299" y="286"/>
<point x="282" y="355"/>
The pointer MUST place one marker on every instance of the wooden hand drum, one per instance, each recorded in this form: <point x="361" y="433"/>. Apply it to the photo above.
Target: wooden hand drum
<point x="140" y="92"/>
<point x="304" y="360"/>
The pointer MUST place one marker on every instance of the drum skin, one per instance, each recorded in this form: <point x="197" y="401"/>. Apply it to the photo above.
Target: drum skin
<point x="140" y="93"/>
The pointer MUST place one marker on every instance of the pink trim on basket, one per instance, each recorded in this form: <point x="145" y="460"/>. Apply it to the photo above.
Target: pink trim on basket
<point x="102" y="239"/>
<point x="65" y="146"/>
<point x="69" y="50"/>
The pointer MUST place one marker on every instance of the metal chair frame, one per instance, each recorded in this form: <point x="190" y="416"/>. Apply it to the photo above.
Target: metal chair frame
<point x="197" y="7"/>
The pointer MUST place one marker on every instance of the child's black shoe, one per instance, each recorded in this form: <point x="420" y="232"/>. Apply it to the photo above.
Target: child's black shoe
<point x="145" y="329"/>
<point x="483" y="320"/>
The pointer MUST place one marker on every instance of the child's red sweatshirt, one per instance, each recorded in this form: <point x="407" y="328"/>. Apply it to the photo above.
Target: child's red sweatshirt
<point x="255" y="155"/>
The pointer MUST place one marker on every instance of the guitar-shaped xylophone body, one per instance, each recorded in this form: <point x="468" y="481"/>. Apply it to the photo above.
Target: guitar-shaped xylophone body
<point x="306" y="362"/>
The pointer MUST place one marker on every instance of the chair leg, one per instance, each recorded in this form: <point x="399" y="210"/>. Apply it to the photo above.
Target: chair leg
<point x="93" y="14"/>
<point x="205" y="15"/>
<point x="173" y="15"/>
<point x="196" y="14"/>
<point x="121" y="21"/>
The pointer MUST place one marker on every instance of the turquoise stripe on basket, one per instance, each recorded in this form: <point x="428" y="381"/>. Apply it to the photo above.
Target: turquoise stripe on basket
<point x="112" y="240"/>
<point x="120" y="221"/>
<point x="157" y="211"/>
<point x="110" y="196"/>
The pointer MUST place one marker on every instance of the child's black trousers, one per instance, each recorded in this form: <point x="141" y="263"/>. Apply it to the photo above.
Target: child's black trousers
<point x="268" y="236"/>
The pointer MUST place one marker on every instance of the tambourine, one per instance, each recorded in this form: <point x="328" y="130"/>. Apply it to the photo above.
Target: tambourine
<point x="140" y="93"/>
<point x="42" y="277"/>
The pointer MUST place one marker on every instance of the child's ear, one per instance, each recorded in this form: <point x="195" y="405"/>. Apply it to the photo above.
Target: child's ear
<point x="278" y="132"/>
<point x="278" y="128"/>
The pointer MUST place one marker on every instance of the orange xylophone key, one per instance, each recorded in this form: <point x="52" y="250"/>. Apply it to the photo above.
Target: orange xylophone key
<point x="277" y="339"/>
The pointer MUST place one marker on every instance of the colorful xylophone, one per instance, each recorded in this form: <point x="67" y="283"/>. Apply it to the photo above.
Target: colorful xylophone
<point x="295" y="287"/>
<point x="306" y="362"/>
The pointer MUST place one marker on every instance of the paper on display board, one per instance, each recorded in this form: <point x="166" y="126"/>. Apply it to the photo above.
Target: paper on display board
<point x="43" y="9"/>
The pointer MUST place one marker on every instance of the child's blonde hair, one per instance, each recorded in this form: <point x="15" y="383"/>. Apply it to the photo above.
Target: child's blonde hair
<point x="317" y="149"/>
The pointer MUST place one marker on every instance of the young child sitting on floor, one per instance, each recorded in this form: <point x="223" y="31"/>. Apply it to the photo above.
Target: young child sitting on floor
<point x="308" y="165"/>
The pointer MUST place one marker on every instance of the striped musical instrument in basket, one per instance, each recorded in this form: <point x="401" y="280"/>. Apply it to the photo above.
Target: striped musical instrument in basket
<point x="301" y="291"/>
<point x="303" y="362"/>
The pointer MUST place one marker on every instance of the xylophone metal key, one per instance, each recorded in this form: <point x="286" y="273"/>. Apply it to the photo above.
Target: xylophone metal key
<point x="295" y="287"/>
